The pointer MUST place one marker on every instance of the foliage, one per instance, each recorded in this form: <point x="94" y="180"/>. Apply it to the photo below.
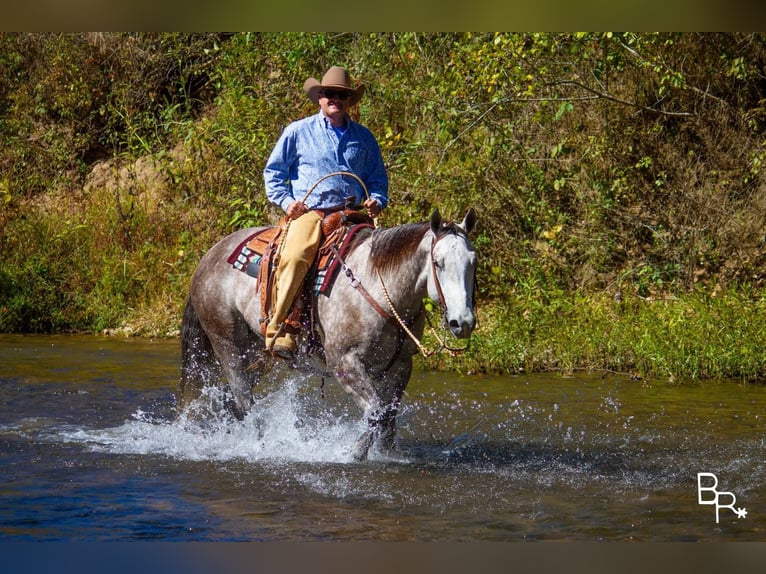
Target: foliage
<point x="604" y="166"/>
<point x="702" y="336"/>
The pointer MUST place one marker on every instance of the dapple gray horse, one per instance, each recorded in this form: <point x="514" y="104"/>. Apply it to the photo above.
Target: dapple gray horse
<point x="388" y="273"/>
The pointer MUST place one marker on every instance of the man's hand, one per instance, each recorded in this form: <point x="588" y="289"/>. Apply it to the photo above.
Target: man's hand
<point x="373" y="207"/>
<point x="296" y="209"/>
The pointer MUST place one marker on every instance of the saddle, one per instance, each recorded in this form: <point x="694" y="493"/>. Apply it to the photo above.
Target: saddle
<point x="256" y="257"/>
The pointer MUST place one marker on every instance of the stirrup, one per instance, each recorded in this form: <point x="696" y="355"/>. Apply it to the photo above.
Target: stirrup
<point x="282" y="352"/>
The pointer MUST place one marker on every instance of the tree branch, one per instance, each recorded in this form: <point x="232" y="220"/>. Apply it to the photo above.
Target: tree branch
<point x="612" y="98"/>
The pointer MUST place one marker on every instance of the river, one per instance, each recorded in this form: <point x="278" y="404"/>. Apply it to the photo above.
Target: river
<point x="91" y="449"/>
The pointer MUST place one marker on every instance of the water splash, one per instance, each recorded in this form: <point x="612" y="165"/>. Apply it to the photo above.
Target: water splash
<point x="282" y="426"/>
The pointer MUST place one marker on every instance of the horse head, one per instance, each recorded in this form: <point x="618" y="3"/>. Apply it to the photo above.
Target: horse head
<point x="453" y="266"/>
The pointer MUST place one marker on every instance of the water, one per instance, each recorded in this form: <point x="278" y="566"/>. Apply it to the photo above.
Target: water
<point x="91" y="450"/>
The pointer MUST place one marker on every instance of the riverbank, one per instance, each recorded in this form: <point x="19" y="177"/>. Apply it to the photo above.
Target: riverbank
<point x="719" y="335"/>
<point x="697" y="336"/>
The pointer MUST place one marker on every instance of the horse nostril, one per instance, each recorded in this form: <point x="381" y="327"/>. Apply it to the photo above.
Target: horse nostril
<point x="455" y="327"/>
<point x="461" y="329"/>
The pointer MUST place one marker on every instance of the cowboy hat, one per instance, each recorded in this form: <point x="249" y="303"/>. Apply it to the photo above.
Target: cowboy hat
<point x="336" y="78"/>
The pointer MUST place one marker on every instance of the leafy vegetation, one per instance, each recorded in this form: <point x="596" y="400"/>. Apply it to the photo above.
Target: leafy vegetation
<point x="618" y="178"/>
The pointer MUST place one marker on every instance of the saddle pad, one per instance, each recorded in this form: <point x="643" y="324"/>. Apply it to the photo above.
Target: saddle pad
<point x="250" y="251"/>
<point x="252" y="248"/>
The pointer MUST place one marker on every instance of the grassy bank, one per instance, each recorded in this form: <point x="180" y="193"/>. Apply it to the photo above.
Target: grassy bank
<point x="698" y="336"/>
<point x="140" y="282"/>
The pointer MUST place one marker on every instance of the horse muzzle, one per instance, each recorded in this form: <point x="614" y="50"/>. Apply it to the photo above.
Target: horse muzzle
<point x="462" y="327"/>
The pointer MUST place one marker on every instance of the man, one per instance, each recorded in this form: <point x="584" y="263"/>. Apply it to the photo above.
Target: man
<point x="308" y="149"/>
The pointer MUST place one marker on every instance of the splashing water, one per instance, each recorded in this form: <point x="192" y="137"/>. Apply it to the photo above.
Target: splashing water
<point x="278" y="428"/>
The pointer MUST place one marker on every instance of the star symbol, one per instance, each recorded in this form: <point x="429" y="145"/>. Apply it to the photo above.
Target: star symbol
<point x="741" y="512"/>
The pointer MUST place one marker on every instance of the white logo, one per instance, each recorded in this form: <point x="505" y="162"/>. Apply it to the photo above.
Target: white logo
<point x="717" y="496"/>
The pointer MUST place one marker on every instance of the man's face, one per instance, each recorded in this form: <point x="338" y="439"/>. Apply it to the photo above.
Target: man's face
<point x="334" y="102"/>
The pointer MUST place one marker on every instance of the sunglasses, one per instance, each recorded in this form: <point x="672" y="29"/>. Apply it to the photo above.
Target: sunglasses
<point x="335" y="94"/>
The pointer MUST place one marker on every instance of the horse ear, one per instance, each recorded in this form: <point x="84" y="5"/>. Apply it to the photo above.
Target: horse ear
<point x="469" y="221"/>
<point x="436" y="221"/>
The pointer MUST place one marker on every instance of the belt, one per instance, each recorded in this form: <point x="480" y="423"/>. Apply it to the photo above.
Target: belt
<point x="325" y="212"/>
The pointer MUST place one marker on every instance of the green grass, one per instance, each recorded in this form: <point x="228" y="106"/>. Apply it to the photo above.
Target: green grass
<point x="689" y="337"/>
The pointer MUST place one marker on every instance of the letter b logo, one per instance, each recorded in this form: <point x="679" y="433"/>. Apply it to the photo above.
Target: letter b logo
<point x="708" y="494"/>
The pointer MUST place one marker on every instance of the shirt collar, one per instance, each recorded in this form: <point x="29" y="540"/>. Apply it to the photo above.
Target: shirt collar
<point x="328" y="125"/>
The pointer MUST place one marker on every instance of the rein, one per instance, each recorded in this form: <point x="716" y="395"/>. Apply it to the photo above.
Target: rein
<point x="305" y="197"/>
<point x="341" y="173"/>
<point x="357" y="284"/>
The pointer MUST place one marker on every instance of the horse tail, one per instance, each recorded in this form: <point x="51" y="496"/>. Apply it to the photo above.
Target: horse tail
<point x="197" y="358"/>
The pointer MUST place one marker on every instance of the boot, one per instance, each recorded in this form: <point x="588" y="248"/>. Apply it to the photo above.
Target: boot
<point x="280" y="335"/>
<point x="283" y="341"/>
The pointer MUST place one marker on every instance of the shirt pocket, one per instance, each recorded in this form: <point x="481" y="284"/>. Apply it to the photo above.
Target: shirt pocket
<point x="355" y="156"/>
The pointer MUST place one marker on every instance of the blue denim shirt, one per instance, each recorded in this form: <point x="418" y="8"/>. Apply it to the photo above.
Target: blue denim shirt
<point x="309" y="149"/>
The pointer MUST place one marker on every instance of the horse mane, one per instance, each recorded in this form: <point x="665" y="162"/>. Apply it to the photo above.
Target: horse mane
<point x="392" y="245"/>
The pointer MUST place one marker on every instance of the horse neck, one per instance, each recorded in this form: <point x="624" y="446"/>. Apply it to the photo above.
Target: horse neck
<point x="407" y="282"/>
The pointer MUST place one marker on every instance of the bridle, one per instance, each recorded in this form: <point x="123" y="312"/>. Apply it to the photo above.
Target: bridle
<point x="357" y="284"/>
<point x="452" y="351"/>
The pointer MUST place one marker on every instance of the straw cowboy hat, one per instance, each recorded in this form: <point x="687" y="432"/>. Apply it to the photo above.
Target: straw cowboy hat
<point x="336" y="78"/>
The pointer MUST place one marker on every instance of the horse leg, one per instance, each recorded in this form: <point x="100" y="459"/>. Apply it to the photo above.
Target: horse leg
<point x="235" y="350"/>
<point x="199" y="364"/>
<point x="381" y="424"/>
<point x="230" y="340"/>
<point x="352" y="376"/>
<point x="394" y="382"/>
<point x="380" y="406"/>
